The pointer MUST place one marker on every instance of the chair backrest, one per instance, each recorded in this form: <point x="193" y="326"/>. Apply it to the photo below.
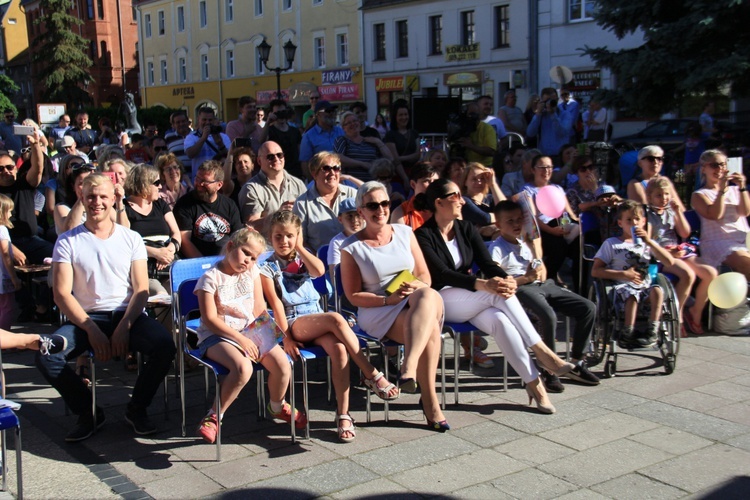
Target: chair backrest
<point x="589" y="222"/>
<point x="694" y="220"/>
<point x="183" y="270"/>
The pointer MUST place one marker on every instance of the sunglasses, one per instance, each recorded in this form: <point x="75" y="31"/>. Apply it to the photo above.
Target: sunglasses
<point x="374" y="205"/>
<point x="586" y="168"/>
<point x="654" y="159"/>
<point x="87" y="166"/>
<point x="454" y="196"/>
<point x="25" y="150"/>
<point x="172" y="168"/>
<point x="273" y="156"/>
<point x="717" y="165"/>
<point x="542" y="167"/>
<point x="156" y="183"/>
<point x="160" y="148"/>
<point x="331" y="168"/>
<point x="205" y="183"/>
<point x="7" y="168"/>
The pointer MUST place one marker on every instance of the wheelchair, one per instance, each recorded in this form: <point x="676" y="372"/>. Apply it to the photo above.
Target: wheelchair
<point x="609" y="320"/>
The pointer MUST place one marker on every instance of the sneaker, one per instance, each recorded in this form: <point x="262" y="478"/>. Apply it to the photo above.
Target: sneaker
<point x="582" y="374"/>
<point x="52" y="344"/>
<point x="138" y="419"/>
<point x="208" y="428"/>
<point x="285" y="414"/>
<point x="627" y="341"/>
<point x="552" y="383"/>
<point x="647" y="340"/>
<point x="481" y="359"/>
<point x="85" y="427"/>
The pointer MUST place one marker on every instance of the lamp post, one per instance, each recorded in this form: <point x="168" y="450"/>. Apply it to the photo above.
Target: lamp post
<point x="265" y="51"/>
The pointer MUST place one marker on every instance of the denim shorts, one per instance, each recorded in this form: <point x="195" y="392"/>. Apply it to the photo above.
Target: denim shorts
<point x="211" y="341"/>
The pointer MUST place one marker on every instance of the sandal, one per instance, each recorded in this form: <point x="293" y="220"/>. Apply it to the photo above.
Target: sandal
<point x="692" y="326"/>
<point x="285" y="414"/>
<point x="383" y="393"/>
<point x="349" y="429"/>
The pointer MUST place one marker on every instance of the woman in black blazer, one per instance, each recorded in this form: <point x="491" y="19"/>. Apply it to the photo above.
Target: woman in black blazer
<point x="451" y="246"/>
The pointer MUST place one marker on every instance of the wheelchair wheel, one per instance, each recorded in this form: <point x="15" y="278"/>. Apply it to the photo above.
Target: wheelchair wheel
<point x="600" y="336"/>
<point x="610" y="366"/>
<point x="669" y="337"/>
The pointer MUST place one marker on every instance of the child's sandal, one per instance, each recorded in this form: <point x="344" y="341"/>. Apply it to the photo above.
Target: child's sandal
<point x="350" y="429"/>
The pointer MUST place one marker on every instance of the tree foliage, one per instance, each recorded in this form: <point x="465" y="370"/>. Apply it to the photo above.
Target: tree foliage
<point x="692" y="47"/>
<point x="7" y="88"/>
<point x="61" y="55"/>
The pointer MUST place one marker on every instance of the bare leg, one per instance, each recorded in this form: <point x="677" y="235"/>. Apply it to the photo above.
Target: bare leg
<point x="656" y="296"/>
<point x="240" y="370"/>
<point x="739" y="262"/>
<point x="279" y="373"/>
<point x="686" y="279"/>
<point x="706" y="275"/>
<point x="631" y="308"/>
<point x="339" y="374"/>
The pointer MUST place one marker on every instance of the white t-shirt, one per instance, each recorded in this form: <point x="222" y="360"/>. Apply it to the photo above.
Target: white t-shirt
<point x="334" y="249"/>
<point x="101" y="268"/>
<point x="514" y="258"/>
<point x="455" y="252"/>
<point x="6" y="283"/>
<point x="621" y="255"/>
<point x="234" y="295"/>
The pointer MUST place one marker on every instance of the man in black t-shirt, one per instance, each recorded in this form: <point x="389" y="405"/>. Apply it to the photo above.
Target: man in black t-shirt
<point x="206" y="217"/>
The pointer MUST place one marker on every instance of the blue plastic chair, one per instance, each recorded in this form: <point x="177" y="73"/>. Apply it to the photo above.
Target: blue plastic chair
<point x="9" y="420"/>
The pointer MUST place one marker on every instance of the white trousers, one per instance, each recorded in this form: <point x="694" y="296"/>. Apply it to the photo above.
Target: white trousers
<point x="502" y="318"/>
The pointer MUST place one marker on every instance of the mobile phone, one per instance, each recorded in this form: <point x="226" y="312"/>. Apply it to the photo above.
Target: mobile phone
<point x="734" y="165"/>
<point x="242" y="142"/>
<point x="112" y="176"/>
<point x="23" y="130"/>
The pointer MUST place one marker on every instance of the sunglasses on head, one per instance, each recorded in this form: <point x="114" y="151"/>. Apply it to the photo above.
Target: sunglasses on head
<point x="331" y="168"/>
<point x="25" y="150"/>
<point x="653" y="159"/>
<point x="86" y="166"/>
<point x="272" y="156"/>
<point x="374" y="205"/>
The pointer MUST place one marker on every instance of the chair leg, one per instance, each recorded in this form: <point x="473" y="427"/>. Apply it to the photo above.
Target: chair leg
<point x="567" y="338"/>
<point x="367" y="403"/>
<point x="92" y="364"/>
<point x="386" y="357"/>
<point x="442" y="371"/>
<point x="456" y="364"/>
<point x="19" y="467"/>
<point x="291" y="402"/>
<point x="305" y="396"/>
<point x="3" y="452"/>
<point x="218" y="419"/>
<point x="181" y="387"/>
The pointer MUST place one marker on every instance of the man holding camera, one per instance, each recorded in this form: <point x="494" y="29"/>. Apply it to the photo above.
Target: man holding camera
<point x="278" y="130"/>
<point x="480" y="144"/>
<point x="246" y="126"/>
<point x="207" y="142"/>
<point x="551" y="125"/>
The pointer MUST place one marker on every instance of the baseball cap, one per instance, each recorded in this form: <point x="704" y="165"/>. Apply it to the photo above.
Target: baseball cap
<point x="324" y="105"/>
<point x="604" y="190"/>
<point x="347" y="205"/>
<point x="67" y="141"/>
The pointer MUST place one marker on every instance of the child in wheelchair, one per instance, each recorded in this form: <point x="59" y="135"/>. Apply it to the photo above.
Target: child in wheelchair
<point x="625" y="260"/>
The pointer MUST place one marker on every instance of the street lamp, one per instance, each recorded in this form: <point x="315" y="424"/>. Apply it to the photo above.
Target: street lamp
<point x="265" y="51"/>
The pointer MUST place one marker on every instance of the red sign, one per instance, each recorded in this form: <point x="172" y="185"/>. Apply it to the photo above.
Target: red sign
<point x="265" y="96"/>
<point x="333" y="93"/>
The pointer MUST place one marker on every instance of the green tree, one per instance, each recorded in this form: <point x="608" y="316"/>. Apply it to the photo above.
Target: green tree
<point x="62" y="55"/>
<point x="7" y="88"/>
<point x="692" y="47"/>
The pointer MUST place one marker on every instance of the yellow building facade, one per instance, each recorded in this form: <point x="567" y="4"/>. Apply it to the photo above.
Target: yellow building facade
<point x="205" y="52"/>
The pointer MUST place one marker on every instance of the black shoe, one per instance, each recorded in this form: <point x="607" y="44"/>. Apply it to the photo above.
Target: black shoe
<point x="582" y="374"/>
<point x="648" y="340"/>
<point x="52" y="344"/>
<point x="138" y="419"/>
<point x="552" y="383"/>
<point x="628" y="341"/>
<point x="85" y="427"/>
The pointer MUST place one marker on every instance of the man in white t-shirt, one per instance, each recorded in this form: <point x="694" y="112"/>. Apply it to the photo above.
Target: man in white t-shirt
<point x="100" y="282"/>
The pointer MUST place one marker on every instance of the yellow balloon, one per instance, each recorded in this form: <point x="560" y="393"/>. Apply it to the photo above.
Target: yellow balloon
<point x="728" y="290"/>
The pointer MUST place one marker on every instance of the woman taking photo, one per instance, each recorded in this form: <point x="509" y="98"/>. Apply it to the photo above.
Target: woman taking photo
<point x="651" y="161"/>
<point x="451" y="247"/>
<point x="481" y="192"/>
<point x="370" y="260"/>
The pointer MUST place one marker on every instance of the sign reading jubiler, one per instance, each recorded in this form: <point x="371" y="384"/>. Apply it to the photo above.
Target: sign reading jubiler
<point x="461" y="52"/>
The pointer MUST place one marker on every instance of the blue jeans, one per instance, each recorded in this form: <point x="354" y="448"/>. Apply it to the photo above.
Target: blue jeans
<point x="147" y="336"/>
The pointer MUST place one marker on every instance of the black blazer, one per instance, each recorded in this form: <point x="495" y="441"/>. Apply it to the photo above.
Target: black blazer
<point x="440" y="262"/>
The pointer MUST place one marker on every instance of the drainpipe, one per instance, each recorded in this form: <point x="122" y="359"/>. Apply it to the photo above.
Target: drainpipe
<point x="122" y="48"/>
<point x="221" y="67"/>
<point x="533" y="46"/>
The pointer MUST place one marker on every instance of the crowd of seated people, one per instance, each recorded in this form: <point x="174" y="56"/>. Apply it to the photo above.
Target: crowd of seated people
<point x="385" y="209"/>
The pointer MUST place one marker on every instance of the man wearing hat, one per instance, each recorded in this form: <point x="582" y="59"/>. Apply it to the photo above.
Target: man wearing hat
<point x="321" y="136"/>
<point x="68" y="146"/>
<point x="12" y="142"/>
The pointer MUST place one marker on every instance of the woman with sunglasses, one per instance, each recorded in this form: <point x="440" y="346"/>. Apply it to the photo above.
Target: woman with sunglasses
<point x="318" y="207"/>
<point x="723" y="206"/>
<point x="357" y="153"/>
<point x="371" y="260"/>
<point x="239" y="168"/>
<point x="151" y="217"/>
<point x="170" y="172"/>
<point x="451" y="247"/>
<point x="651" y="161"/>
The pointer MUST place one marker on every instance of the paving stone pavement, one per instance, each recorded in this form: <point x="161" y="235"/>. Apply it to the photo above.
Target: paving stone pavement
<point x="642" y="434"/>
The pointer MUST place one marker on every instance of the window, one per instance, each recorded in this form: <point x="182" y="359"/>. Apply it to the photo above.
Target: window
<point x="133" y="12"/>
<point x="100" y="8"/>
<point x="150" y="72"/>
<point x="402" y="38"/>
<point x="317" y="2"/>
<point x="203" y="14"/>
<point x="229" y="11"/>
<point x="147" y="25"/>
<point x="181" y="18"/>
<point x="259" y="68"/>
<point x="163" y="64"/>
<point x="467" y="27"/>
<point x="319" y="48"/>
<point x="90" y="9"/>
<point x="104" y="53"/>
<point x="436" y="35"/>
<point x="286" y="5"/>
<point x="160" y="23"/>
<point x="378" y="32"/>
<point x="258" y="8"/>
<point x="230" y="62"/>
<point x="502" y="26"/>
<point x="581" y="10"/>
<point x="342" y="49"/>
<point x="204" y="66"/>
<point x="182" y="69"/>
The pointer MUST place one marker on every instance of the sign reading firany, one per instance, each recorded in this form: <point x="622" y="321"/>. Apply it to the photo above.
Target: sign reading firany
<point x="462" y="52"/>
<point x="335" y="77"/>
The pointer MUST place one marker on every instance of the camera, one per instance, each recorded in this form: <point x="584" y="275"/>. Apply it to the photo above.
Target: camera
<point x="552" y="102"/>
<point x="215" y="129"/>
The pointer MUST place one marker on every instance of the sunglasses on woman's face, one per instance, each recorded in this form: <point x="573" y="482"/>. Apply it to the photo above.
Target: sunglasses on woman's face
<point x="374" y="205"/>
<point x="586" y="168"/>
<point x="157" y="183"/>
<point x="331" y="168"/>
<point x="454" y="196"/>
